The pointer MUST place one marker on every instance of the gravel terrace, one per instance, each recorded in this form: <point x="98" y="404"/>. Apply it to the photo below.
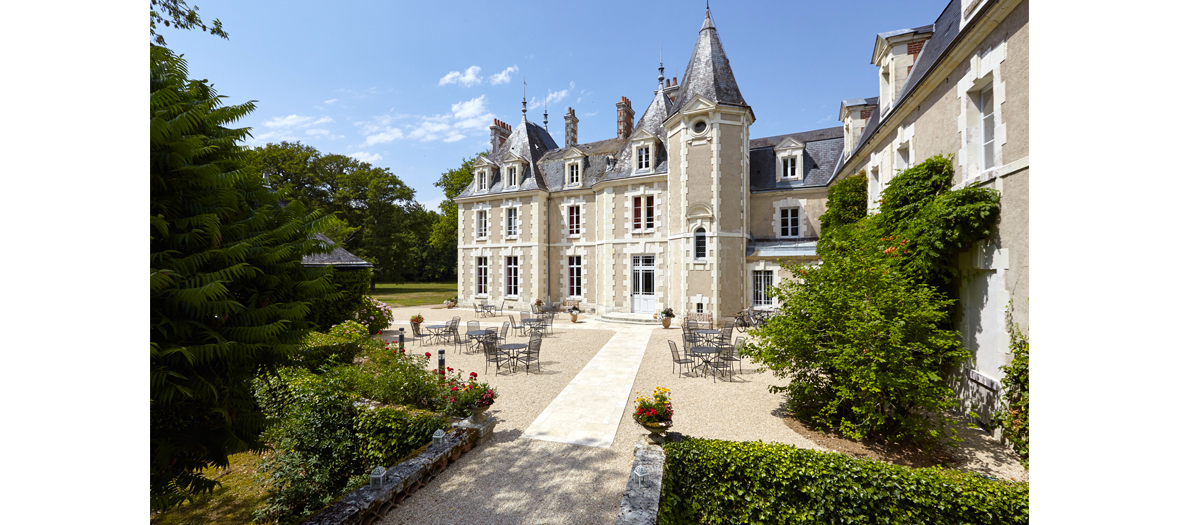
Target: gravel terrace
<point x="517" y="480"/>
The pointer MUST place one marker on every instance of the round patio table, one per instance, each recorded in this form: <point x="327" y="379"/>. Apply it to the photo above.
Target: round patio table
<point x="437" y="331"/>
<point x="513" y="351"/>
<point x="535" y="324"/>
<point x="709" y="334"/>
<point x="704" y="353"/>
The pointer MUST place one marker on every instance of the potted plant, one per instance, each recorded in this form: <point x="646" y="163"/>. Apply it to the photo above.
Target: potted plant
<point x="467" y="396"/>
<point x="574" y="311"/>
<point x="654" y="414"/>
<point x="450" y="303"/>
<point x="537" y="305"/>
<point x="666" y="316"/>
<point x="416" y="324"/>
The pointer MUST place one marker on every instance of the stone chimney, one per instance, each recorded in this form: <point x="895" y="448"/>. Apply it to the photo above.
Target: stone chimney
<point x="500" y="132"/>
<point x="571" y="128"/>
<point x="672" y="87"/>
<point x="626" y="118"/>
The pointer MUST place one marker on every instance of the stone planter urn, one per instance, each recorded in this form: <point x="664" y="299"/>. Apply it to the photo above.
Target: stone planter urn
<point x="573" y="317"/>
<point x="479" y="414"/>
<point x="655" y="430"/>
<point x="449" y="304"/>
<point x="667" y="322"/>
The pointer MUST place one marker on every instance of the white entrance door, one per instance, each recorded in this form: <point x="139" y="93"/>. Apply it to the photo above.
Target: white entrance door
<point x="643" y="284"/>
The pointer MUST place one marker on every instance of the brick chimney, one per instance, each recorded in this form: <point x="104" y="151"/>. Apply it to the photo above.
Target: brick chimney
<point x="626" y="117"/>
<point x="571" y="128"/>
<point x="672" y="87"/>
<point x="500" y="132"/>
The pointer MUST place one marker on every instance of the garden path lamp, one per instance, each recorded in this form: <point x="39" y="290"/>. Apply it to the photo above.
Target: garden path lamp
<point x="377" y="478"/>
<point x="642" y="473"/>
<point x="442" y="360"/>
<point x="401" y="338"/>
<point x="439" y="435"/>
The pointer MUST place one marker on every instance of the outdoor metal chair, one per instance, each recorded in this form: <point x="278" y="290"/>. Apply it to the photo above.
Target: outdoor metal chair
<point x="453" y="330"/>
<point x="548" y="316"/>
<point x="518" y="328"/>
<point x="500" y="309"/>
<point x="677" y="360"/>
<point x="494" y="355"/>
<point x="531" y="355"/>
<point x="470" y="340"/>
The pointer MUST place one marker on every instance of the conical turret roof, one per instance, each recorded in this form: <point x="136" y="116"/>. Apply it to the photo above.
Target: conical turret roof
<point x="708" y="73"/>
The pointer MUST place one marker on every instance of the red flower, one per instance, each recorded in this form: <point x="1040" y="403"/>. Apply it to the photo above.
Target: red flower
<point x="454" y="389"/>
<point x="473" y="374"/>
<point x="449" y="369"/>
<point x="427" y="355"/>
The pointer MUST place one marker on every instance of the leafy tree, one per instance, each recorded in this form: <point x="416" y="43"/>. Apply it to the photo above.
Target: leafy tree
<point x="445" y="233"/>
<point x="175" y="13"/>
<point x="847" y="202"/>
<point x="865" y="337"/>
<point x="228" y="288"/>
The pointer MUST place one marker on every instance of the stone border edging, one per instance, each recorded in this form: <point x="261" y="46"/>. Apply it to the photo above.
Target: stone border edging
<point x="641" y="504"/>
<point x="365" y="505"/>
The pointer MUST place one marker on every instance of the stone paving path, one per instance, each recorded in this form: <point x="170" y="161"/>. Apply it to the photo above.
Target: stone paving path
<point x="588" y="410"/>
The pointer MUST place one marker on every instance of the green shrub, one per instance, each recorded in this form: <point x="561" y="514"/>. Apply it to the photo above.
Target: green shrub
<point x="1013" y="417"/>
<point x="374" y="314"/>
<point x="352" y="286"/>
<point x="848" y="202"/>
<point x="389" y="434"/>
<point x="343" y="343"/>
<point x="714" y="482"/>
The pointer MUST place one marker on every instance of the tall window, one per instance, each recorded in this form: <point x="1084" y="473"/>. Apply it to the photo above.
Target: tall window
<point x="511" y="276"/>
<point x="511" y="227"/>
<point x="575" y="175"/>
<point x="482" y="178"/>
<point x="575" y="220"/>
<point x="987" y="124"/>
<point x="481" y="275"/>
<point x="789" y="221"/>
<point x="789" y="167"/>
<point x="575" y="273"/>
<point x="763" y="280"/>
<point x="512" y="176"/>
<point x="643" y="212"/>
<point x="701" y="252"/>
<point x="481" y="223"/>
<point x="903" y="157"/>
<point x="643" y="158"/>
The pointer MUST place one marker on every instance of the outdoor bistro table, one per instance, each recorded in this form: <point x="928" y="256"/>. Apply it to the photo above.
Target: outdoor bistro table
<point x="535" y="324"/>
<point x="709" y="334"/>
<point x="513" y="351"/>
<point x="486" y="309"/>
<point x="480" y="334"/>
<point x="704" y="352"/>
<point x="437" y="331"/>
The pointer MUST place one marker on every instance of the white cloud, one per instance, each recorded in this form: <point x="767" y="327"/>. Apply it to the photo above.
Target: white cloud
<point x="503" y="77"/>
<point x="552" y="98"/>
<point x="571" y="84"/>
<point x="365" y="156"/>
<point x="448" y="127"/>
<point x="825" y="119"/>
<point x="289" y="121"/>
<point x="468" y="78"/>
<point x="590" y="114"/>
<point x="331" y="100"/>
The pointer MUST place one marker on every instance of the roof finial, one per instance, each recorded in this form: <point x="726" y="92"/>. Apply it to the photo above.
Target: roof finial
<point x="660" y="83"/>
<point x="546" y="121"/>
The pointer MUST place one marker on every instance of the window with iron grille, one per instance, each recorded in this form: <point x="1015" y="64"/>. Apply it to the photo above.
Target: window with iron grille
<point x="701" y="251"/>
<point x="511" y="276"/>
<point x="575" y="275"/>
<point x="763" y="280"/>
<point x="789" y="221"/>
<point x="481" y="275"/>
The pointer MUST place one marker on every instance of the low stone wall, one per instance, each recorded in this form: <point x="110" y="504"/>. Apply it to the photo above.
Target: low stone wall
<point x="367" y="504"/>
<point x="641" y="501"/>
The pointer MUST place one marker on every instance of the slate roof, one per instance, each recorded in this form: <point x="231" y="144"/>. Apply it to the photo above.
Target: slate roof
<point x="821" y="153"/>
<point x="858" y="101"/>
<point x="527" y="141"/>
<point x="338" y="258"/>
<point x="946" y="31"/>
<point x="594" y="166"/>
<point x="708" y="73"/>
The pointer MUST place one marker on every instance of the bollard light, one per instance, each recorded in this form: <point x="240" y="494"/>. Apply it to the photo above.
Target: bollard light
<point x="439" y="435"/>
<point x="377" y="478"/>
<point x="641" y="473"/>
<point x="401" y="338"/>
<point x="442" y="360"/>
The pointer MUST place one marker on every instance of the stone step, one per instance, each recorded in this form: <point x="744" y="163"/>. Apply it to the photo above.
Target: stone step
<point x="629" y="318"/>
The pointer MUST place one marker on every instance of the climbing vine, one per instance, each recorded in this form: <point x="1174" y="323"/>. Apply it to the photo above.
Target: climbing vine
<point x="1013" y="417"/>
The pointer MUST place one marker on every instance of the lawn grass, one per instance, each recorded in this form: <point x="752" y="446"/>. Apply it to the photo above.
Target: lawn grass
<point x="414" y="294"/>
<point x="233" y="502"/>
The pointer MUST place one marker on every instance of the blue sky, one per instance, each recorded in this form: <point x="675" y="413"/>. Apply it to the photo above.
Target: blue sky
<point x="414" y="87"/>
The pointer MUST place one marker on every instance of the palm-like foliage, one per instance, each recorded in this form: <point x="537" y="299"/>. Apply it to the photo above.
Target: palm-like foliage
<point x="228" y="290"/>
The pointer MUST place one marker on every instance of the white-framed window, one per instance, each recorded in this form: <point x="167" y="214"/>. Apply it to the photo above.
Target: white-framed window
<point x="763" y="281"/>
<point x="573" y="173"/>
<point x="511" y="225"/>
<point x="643" y="212"/>
<point x="511" y="276"/>
<point x="903" y="157"/>
<point x="789" y="222"/>
<point x="575" y="220"/>
<point x="700" y="246"/>
<point x="987" y="124"/>
<point x="790" y="167"/>
<point x="874" y="188"/>
<point x="481" y="224"/>
<point x="481" y="180"/>
<point x="643" y="158"/>
<point x="481" y="275"/>
<point x="512" y="181"/>
<point x="575" y="276"/>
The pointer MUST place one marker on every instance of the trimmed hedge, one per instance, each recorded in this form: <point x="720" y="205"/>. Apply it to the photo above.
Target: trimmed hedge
<point x="352" y="286"/>
<point x="389" y="434"/>
<point x="714" y="481"/>
<point x="338" y="346"/>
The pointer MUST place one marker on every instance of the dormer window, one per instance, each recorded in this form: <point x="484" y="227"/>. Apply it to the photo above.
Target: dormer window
<point x="643" y="158"/>
<point x="573" y="174"/>
<point x="481" y="180"/>
<point x="573" y="166"/>
<point x="790" y="167"/>
<point x="789" y="153"/>
<point x="512" y="181"/>
<point x="643" y="148"/>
